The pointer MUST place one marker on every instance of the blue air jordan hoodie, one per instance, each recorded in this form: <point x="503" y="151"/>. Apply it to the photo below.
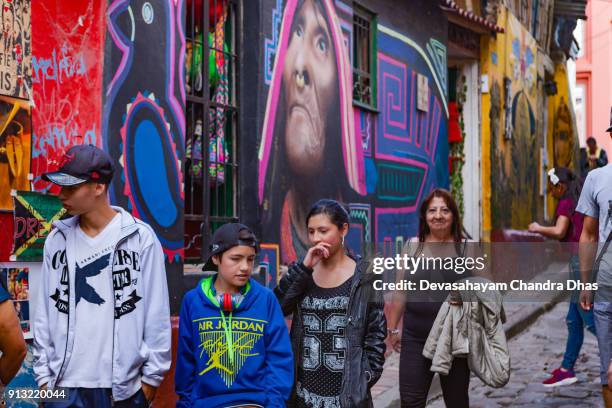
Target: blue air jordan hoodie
<point x="233" y="359"/>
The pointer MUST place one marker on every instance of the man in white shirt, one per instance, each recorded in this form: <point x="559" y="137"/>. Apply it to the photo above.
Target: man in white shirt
<point x="101" y="321"/>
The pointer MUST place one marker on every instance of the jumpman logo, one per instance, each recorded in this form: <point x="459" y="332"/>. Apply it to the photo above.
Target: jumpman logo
<point x="215" y="358"/>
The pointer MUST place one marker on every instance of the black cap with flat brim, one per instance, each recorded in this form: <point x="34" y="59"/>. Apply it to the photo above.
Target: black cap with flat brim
<point x="63" y="179"/>
<point x="226" y="237"/>
<point x="81" y="164"/>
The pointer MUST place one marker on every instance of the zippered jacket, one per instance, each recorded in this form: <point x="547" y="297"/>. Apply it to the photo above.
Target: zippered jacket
<point x="365" y="332"/>
<point x="141" y="327"/>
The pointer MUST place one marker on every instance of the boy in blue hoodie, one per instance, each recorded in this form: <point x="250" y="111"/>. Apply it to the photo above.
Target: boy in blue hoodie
<point x="234" y="348"/>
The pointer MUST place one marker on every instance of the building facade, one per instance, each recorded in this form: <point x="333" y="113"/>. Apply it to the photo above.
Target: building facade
<point x="251" y="110"/>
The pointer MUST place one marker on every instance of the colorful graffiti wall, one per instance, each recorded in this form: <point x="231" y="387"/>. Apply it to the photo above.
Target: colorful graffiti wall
<point x="67" y="51"/>
<point x="315" y="143"/>
<point x="511" y="66"/>
<point x="144" y="113"/>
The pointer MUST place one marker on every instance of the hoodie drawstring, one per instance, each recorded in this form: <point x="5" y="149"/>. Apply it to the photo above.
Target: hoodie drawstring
<point x="229" y="335"/>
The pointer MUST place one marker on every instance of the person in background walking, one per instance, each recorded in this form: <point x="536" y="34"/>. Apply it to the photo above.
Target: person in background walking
<point x="595" y="156"/>
<point x="566" y="187"/>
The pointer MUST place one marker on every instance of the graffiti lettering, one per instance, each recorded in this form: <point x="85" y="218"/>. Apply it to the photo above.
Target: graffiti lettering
<point x="26" y="226"/>
<point x="5" y="60"/>
<point x="6" y="82"/>
<point x="15" y="47"/>
<point x="59" y="138"/>
<point x="58" y="68"/>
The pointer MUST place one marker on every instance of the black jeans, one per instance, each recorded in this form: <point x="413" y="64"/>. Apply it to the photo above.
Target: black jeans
<point x="415" y="377"/>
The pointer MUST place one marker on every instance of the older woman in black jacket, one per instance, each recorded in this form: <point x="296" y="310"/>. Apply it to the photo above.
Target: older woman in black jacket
<point x="339" y="326"/>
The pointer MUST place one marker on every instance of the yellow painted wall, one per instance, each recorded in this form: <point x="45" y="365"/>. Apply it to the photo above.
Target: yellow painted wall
<point x="492" y="61"/>
<point x="562" y="96"/>
<point x="511" y="167"/>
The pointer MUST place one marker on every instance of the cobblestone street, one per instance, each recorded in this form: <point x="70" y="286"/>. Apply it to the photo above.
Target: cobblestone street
<point x="535" y="352"/>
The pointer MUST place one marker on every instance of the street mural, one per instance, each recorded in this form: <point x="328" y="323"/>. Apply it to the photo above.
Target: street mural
<point x="15" y="148"/>
<point x="563" y="136"/>
<point x="514" y="149"/>
<point x="66" y="81"/>
<point x="144" y="113"/>
<point x="316" y="144"/>
<point x="15" y="49"/>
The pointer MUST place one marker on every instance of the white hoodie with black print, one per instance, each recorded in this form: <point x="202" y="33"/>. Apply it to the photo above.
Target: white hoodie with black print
<point x="141" y="326"/>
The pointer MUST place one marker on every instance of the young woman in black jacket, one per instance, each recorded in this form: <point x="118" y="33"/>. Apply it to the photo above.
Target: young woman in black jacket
<point x="339" y="327"/>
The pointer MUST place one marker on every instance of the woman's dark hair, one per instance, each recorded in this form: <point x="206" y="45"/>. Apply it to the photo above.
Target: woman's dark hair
<point x="333" y="209"/>
<point x="571" y="181"/>
<point x="452" y="206"/>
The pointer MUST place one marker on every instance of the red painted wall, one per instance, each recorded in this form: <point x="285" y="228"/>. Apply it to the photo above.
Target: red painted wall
<point x="67" y="63"/>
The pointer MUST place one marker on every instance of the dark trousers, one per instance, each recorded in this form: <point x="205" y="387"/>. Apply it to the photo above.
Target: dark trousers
<point x="415" y="378"/>
<point x="97" y="398"/>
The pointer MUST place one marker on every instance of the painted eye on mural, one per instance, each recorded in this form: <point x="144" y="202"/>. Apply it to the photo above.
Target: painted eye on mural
<point x="299" y="31"/>
<point x="147" y="13"/>
<point x="322" y="45"/>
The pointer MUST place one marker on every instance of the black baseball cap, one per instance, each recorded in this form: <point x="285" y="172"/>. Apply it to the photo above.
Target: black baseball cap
<point x="226" y="237"/>
<point x="81" y="164"/>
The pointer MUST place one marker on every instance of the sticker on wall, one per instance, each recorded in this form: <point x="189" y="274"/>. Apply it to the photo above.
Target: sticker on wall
<point x="269" y="264"/>
<point x="34" y="216"/>
<point x="15" y="148"/>
<point x="15" y="56"/>
<point x="18" y="286"/>
<point x="422" y="93"/>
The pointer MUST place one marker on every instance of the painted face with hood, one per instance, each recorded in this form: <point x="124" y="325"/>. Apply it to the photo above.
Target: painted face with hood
<point x="310" y="89"/>
<point x="309" y="106"/>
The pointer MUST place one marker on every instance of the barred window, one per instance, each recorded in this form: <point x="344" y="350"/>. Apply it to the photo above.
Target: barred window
<point x="211" y="81"/>
<point x="364" y="56"/>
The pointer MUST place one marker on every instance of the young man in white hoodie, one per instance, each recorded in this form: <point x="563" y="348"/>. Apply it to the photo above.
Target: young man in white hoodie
<point x="101" y="317"/>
